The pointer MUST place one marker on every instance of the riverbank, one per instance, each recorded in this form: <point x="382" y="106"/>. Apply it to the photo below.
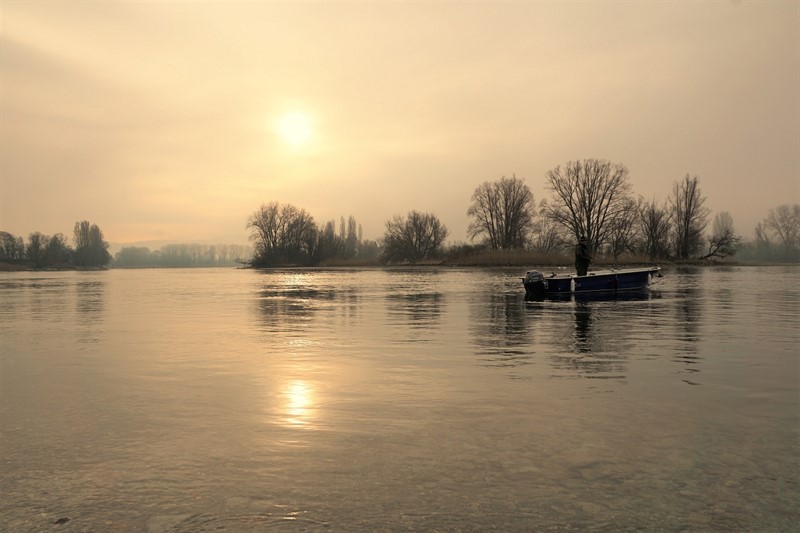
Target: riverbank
<point x="29" y="267"/>
<point x="522" y="260"/>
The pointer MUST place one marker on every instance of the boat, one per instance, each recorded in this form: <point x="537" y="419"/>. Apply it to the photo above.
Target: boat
<point x="600" y="281"/>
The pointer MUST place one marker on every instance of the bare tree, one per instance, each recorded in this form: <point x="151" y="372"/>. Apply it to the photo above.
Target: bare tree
<point x="762" y="235"/>
<point x="503" y="213"/>
<point x="763" y="243"/>
<point x="547" y="236"/>
<point x="264" y="227"/>
<point x="281" y="233"/>
<point x="655" y="229"/>
<point x="300" y="233"/>
<point x="35" y="249"/>
<point x="688" y="215"/>
<point x="623" y="232"/>
<point x="723" y="241"/>
<point x="417" y="237"/>
<point x="589" y="196"/>
<point x="784" y="220"/>
<point x="307" y="238"/>
<point x="12" y="248"/>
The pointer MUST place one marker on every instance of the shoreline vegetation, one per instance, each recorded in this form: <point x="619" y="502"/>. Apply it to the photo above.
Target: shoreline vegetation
<point x="528" y="260"/>
<point x="592" y="201"/>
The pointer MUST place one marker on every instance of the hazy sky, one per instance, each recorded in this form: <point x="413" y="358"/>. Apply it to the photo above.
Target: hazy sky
<point x="160" y="120"/>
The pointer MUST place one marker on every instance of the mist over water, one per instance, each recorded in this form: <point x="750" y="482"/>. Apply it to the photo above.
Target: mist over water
<point x="440" y="399"/>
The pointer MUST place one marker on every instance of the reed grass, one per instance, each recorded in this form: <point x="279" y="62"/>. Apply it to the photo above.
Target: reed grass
<point x="498" y="258"/>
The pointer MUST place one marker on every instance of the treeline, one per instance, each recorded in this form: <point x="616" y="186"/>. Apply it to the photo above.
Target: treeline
<point x="89" y="250"/>
<point x="182" y="256"/>
<point x="287" y="235"/>
<point x="591" y="198"/>
<point x="777" y="237"/>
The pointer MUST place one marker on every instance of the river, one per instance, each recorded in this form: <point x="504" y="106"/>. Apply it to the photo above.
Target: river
<point x="397" y="399"/>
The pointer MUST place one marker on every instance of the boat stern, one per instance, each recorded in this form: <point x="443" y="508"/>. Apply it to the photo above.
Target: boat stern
<point x="534" y="282"/>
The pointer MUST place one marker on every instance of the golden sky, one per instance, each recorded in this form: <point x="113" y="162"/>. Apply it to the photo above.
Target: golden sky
<point x="176" y="120"/>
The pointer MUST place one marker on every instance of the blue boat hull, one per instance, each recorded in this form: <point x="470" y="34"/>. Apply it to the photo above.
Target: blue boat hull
<point x="628" y="279"/>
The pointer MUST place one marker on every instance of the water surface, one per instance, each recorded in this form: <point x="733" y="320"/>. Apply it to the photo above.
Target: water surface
<point x="440" y="399"/>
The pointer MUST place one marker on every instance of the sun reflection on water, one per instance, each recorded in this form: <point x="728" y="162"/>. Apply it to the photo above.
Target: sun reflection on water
<point x="299" y="403"/>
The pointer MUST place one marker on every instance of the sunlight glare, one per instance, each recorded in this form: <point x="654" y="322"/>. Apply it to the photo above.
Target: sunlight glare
<point x="295" y="128"/>
<point x="299" y="402"/>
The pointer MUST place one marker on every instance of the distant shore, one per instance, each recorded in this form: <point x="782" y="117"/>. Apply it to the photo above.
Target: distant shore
<point x="28" y="267"/>
<point x="482" y="262"/>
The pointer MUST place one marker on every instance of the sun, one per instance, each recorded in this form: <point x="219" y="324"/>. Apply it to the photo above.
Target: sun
<point x="295" y="128"/>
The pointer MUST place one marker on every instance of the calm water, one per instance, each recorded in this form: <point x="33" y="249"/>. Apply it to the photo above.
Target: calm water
<point x="341" y="400"/>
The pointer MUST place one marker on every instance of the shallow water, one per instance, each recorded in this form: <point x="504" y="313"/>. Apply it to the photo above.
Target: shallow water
<point x="200" y="400"/>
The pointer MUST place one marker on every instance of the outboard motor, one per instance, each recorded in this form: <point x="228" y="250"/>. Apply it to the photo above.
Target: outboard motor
<point x="534" y="283"/>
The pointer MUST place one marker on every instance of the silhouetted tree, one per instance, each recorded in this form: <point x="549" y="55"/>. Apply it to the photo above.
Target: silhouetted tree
<point x="623" y="232"/>
<point x="763" y="245"/>
<point x="57" y="252"/>
<point x="503" y="213"/>
<point x="12" y="249"/>
<point x="266" y="226"/>
<point x="282" y="234"/>
<point x="415" y="238"/>
<point x="655" y="229"/>
<point x="351" y="241"/>
<point x="35" y="249"/>
<point x="328" y="243"/>
<point x="369" y="249"/>
<point x="689" y="217"/>
<point x="308" y="241"/>
<point x="784" y="221"/>
<point x="723" y="241"/>
<point x="346" y="244"/>
<point x="547" y="236"/>
<point x="589" y="197"/>
<point x="90" y="247"/>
